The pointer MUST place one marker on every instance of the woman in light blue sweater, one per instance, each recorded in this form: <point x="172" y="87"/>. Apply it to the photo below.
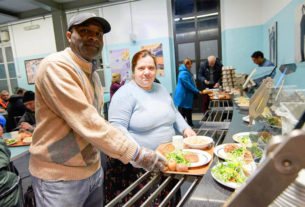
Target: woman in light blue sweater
<point x="145" y="112"/>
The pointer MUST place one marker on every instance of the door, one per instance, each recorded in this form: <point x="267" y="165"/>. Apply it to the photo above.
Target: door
<point x="196" y="35"/>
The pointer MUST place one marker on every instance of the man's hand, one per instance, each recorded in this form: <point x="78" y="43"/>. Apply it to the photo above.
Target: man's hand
<point x="200" y="92"/>
<point x="206" y="82"/>
<point x="149" y="160"/>
<point x="216" y="85"/>
<point x="188" y="132"/>
<point x="26" y="126"/>
<point x="2" y="110"/>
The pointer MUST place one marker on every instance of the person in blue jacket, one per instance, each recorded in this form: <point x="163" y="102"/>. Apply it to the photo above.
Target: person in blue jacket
<point x="185" y="91"/>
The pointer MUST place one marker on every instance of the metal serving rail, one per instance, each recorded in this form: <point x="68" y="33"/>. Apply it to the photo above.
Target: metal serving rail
<point x="208" y="192"/>
<point x="218" y="111"/>
<point x="219" y="115"/>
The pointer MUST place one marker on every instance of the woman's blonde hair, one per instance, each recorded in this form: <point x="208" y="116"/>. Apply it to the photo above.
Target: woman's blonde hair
<point x="116" y="78"/>
<point x="187" y="61"/>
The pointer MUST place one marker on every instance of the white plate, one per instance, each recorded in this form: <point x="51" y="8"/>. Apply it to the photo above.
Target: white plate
<point x="229" y="184"/>
<point x="237" y="136"/>
<point x="219" y="151"/>
<point x="204" y="157"/>
<point x="250" y="168"/>
<point x="247" y="119"/>
<point x="243" y="107"/>
<point x="27" y="142"/>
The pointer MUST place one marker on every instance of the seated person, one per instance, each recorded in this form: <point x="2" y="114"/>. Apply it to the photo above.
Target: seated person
<point x="2" y="124"/>
<point x="116" y="83"/>
<point x="15" y="110"/>
<point x="144" y="111"/>
<point x="4" y="100"/>
<point x="20" y="91"/>
<point x="27" y="121"/>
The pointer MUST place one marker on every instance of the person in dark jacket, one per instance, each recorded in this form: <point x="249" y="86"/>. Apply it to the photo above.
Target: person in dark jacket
<point x="210" y="72"/>
<point x="27" y="121"/>
<point x="185" y="91"/>
<point x="210" y="76"/>
<point x="15" y="110"/>
<point x="116" y="83"/>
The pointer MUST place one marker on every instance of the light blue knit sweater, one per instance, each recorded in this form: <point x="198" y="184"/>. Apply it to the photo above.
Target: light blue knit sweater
<point x="148" y="117"/>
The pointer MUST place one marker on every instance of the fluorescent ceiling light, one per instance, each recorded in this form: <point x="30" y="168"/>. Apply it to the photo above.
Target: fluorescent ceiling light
<point x="208" y="15"/>
<point x="188" y="18"/>
<point x="31" y="27"/>
<point x="200" y="16"/>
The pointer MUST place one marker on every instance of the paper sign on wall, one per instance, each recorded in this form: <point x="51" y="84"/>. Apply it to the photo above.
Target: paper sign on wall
<point x="119" y="62"/>
<point x="156" y="50"/>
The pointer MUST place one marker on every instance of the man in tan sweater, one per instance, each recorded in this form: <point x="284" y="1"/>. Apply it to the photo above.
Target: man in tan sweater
<point x="65" y="161"/>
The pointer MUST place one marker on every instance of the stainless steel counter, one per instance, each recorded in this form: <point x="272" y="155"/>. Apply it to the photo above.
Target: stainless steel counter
<point x="208" y="192"/>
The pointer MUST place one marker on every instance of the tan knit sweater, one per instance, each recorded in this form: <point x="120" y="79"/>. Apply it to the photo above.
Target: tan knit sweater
<point x="69" y="129"/>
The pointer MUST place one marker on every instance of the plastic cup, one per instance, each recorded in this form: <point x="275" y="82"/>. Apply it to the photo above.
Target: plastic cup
<point x="14" y="134"/>
<point x="178" y="142"/>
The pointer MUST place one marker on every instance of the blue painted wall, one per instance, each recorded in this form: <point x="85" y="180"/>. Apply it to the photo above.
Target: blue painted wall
<point x="168" y="80"/>
<point x="239" y="43"/>
<point x="20" y="69"/>
<point x="286" y="42"/>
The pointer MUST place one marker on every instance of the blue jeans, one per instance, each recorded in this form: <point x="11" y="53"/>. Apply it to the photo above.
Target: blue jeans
<point x="75" y="193"/>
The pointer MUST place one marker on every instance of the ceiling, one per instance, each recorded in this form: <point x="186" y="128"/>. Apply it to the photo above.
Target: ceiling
<point x="15" y="10"/>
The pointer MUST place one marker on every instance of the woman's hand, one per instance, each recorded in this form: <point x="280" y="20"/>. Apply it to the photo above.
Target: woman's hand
<point x="188" y="132"/>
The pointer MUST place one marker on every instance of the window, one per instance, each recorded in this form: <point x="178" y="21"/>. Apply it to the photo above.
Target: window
<point x="8" y="77"/>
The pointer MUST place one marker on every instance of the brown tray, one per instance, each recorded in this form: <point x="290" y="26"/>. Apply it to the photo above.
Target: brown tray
<point x="20" y="143"/>
<point x="168" y="147"/>
<point x="225" y="96"/>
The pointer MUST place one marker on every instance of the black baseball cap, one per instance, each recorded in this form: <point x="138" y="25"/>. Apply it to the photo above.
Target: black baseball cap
<point x="28" y="96"/>
<point x="82" y="17"/>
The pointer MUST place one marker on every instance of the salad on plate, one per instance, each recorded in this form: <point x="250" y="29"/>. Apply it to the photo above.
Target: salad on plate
<point x="230" y="174"/>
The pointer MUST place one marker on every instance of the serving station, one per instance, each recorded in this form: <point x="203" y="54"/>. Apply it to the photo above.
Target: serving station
<point x="228" y="122"/>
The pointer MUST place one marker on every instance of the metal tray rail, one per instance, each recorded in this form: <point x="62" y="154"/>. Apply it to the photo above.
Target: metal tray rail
<point x="218" y="116"/>
<point x="190" y="182"/>
<point x="220" y="104"/>
<point x="216" y="123"/>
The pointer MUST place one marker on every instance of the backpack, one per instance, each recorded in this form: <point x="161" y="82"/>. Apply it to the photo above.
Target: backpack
<point x="29" y="198"/>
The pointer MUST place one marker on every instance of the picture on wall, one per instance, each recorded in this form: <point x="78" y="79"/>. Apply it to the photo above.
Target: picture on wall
<point x="157" y="50"/>
<point x="272" y="31"/>
<point x="119" y="62"/>
<point x="299" y="28"/>
<point x="31" y="68"/>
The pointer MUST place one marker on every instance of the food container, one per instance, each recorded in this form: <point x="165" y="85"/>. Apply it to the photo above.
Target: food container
<point x="14" y="134"/>
<point x="290" y="113"/>
<point x="198" y="142"/>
